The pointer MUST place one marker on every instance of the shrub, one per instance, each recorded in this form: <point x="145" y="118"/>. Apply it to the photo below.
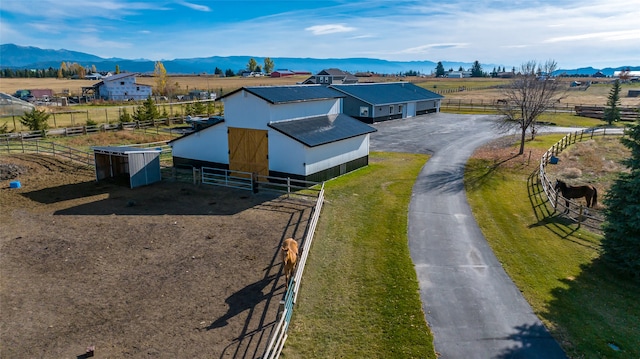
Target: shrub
<point x="36" y="120"/>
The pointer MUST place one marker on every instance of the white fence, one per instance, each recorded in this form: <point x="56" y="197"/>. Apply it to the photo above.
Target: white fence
<point x="279" y="335"/>
<point x="574" y="210"/>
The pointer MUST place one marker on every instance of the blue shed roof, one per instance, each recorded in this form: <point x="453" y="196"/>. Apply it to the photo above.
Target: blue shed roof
<point x="320" y="130"/>
<point x="387" y="93"/>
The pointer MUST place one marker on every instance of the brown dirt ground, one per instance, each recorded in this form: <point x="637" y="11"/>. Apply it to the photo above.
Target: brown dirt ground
<point x="169" y="270"/>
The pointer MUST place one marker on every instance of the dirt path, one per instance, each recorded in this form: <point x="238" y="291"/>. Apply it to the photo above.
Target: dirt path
<point x="169" y="270"/>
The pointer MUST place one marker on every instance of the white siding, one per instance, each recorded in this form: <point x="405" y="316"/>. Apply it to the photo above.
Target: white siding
<point x="304" y="109"/>
<point x="285" y="154"/>
<point x="210" y="144"/>
<point x="336" y="153"/>
<point x="244" y="110"/>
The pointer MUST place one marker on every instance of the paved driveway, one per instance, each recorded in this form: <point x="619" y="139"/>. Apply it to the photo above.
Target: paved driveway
<point x="473" y="308"/>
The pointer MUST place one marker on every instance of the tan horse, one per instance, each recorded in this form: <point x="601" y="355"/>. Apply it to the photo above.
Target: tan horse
<point x="289" y="258"/>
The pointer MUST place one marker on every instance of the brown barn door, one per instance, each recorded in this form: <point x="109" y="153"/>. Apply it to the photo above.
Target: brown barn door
<point x="249" y="150"/>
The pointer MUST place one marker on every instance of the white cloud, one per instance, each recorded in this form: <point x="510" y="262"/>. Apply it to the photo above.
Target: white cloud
<point x="425" y="48"/>
<point x="329" y="29"/>
<point x="605" y="36"/>
<point x="195" y="6"/>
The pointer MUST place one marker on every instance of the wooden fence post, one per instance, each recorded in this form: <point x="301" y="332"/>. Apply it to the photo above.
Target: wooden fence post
<point x="580" y="216"/>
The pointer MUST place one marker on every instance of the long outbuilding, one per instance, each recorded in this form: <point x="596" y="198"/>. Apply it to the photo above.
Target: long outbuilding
<point x="376" y="102"/>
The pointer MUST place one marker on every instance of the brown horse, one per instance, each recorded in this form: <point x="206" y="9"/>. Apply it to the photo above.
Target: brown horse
<point x="590" y="193"/>
<point x="289" y="258"/>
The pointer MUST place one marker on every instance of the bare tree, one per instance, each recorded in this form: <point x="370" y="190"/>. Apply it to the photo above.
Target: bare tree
<point x="531" y="92"/>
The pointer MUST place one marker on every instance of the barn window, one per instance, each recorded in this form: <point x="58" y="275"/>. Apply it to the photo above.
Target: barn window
<point x="391" y="109"/>
<point x="399" y="108"/>
<point x="364" y="111"/>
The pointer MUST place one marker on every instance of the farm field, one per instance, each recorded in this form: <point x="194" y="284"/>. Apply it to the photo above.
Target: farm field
<point x="170" y="270"/>
<point x="479" y="91"/>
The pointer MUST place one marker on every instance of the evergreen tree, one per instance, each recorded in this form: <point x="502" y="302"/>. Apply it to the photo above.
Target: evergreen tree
<point x="439" y="69"/>
<point x="612" y="111"/>
<point x="147" y="111"/>
<point x="476" y="70"/>
<point x="199" y="108"/>
<point x="125" y="116"/>
<point x="229" y="73"/>
<point x="117" y="69"/>
<point x="36" y="120"/>
<point x="217" y="71"/>
<point x="621" y="243"/>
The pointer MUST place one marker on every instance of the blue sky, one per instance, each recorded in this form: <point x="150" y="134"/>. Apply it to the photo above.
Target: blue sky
<point x="598" y="33"/>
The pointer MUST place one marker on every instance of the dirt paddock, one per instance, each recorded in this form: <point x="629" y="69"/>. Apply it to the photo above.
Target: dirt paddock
<point x="169" y="270"/>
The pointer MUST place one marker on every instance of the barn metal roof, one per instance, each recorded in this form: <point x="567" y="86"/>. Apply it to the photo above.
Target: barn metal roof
<point x="294" y="93"/>
<point x="123" y="150"/>
<point x="320" y="130"/>
<point x="387" y="93"/>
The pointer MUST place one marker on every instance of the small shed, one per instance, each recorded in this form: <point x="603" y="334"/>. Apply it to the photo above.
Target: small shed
<point x="132" y="165"/>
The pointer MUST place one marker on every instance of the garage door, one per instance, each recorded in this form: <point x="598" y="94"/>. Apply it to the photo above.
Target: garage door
<point x="249" y="150"/>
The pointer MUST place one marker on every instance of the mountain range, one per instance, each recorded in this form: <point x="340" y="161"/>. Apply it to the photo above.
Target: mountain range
<point x="29" y="57"/>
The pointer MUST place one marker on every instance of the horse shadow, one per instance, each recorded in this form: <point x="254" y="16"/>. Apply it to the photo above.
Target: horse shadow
<point x="244" y="299"/>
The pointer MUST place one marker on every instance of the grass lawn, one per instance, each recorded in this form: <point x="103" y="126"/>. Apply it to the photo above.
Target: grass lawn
<point x="555" y="264"/>
<point x="359" y="297"/>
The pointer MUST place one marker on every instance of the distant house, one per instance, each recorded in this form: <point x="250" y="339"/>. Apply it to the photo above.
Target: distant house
<point x="282" y="73"/>
<point x="122" y="87"/>
<point x="599" y="74"/>
<point x="283" y="131"/>
<point x="330" y="77"/>
<point x="458" y="74"/>
<point x="201" y="95"/>
<point x="376" y="102"/>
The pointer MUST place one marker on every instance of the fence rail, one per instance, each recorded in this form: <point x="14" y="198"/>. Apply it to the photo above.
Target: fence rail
<point x="630" y="113"/>
<point x="92" y="129"/>
<point x="48" y="148"/>
<point x="592" y="218"/>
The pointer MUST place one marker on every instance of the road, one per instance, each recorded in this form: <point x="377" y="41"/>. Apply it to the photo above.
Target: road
<point x="471" y="305"/>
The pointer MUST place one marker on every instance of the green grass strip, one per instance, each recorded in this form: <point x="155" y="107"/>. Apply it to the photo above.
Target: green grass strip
<point x="360" y="297"/>
<point x="588" y="308"/>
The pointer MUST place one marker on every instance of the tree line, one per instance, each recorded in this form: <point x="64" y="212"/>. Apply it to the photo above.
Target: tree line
<point x="75" y="70"/>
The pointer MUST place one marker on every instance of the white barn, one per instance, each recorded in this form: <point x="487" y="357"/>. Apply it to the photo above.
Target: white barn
<point x="284" y="131"/>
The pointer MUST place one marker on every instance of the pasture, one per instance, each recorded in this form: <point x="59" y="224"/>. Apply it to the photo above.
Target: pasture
<point x="589" y="309"/>
<point x="170" y="270"/>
